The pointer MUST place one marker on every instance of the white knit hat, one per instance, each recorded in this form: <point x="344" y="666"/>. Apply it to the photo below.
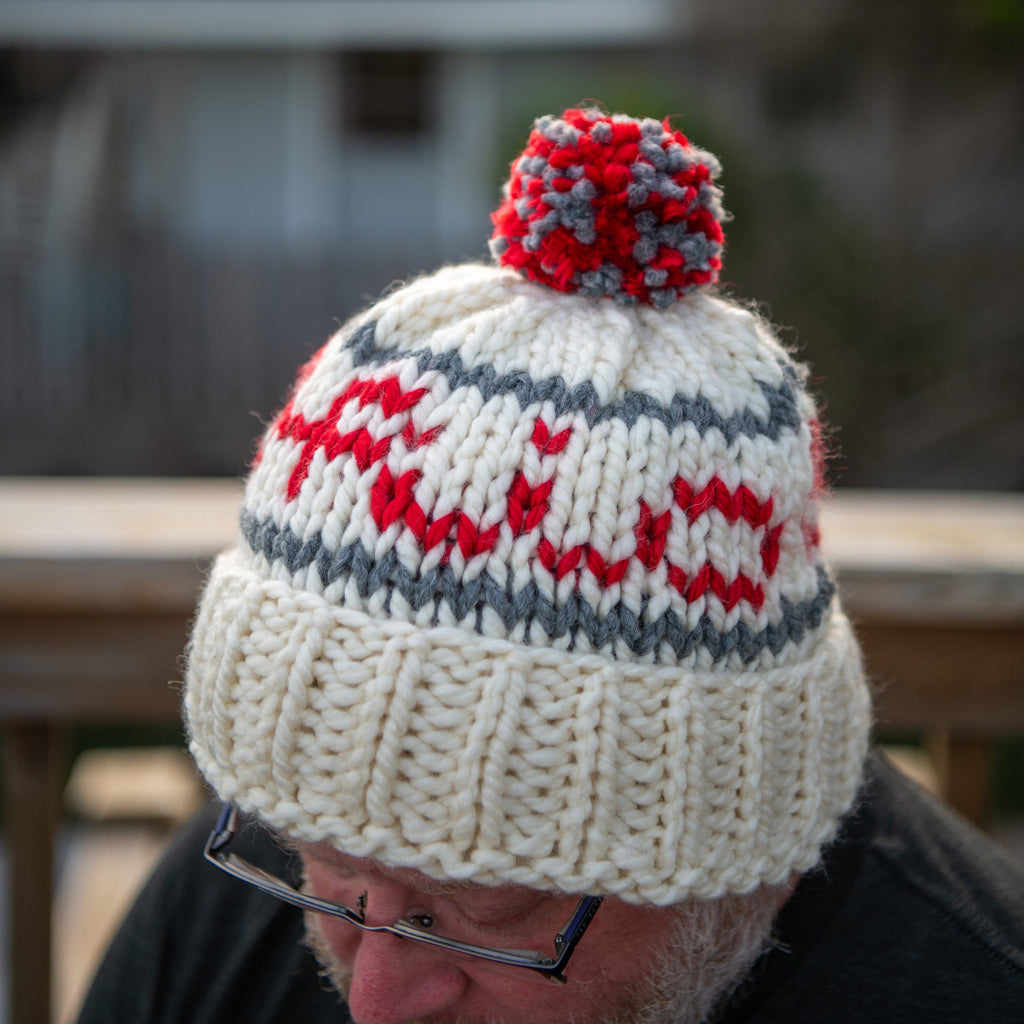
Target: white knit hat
<point x="528" y="586"/>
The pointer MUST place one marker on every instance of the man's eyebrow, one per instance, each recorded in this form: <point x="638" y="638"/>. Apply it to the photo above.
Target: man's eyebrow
<point x="441" y="887"/>
<point x="445" y="887"/>
<point x="431" y="886"/>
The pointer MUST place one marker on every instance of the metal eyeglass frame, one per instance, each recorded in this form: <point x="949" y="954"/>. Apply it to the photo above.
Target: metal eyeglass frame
<point x="549" y="967"/>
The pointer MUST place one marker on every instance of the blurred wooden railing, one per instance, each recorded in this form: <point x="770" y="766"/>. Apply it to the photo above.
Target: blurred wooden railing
<point x="98" y="580"/>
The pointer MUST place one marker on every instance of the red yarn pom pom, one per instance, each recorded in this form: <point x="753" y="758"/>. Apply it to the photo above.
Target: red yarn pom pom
<point x="609" y="205"/>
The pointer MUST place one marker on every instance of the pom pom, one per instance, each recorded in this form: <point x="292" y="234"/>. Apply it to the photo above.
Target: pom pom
<point x="607" y="205"/>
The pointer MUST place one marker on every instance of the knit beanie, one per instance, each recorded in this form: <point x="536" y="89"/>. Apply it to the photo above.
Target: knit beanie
<point x="528" y="586"/>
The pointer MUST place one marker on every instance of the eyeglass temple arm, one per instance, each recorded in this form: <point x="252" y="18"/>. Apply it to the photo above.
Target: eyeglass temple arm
<point x="224" y="830"/>
<point x="570" y="935"/>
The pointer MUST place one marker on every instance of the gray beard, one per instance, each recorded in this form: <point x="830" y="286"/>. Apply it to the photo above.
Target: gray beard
<point x="710" y="950"/>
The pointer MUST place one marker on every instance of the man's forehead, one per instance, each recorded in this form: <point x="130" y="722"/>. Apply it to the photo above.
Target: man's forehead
<point x="324" y="853"/>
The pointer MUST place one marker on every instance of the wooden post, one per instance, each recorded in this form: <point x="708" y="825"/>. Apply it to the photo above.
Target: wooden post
<point x="963" y="768"/>
<point x="32" y="776"/>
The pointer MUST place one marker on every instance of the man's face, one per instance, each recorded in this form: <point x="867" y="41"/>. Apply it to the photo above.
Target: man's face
<point x="631" y="967"/>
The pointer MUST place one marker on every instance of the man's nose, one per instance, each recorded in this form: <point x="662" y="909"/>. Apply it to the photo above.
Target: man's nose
<point x="394" y="979"/>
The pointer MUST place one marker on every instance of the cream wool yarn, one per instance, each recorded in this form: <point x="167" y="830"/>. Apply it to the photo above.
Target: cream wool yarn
<point x="528" y="585"/>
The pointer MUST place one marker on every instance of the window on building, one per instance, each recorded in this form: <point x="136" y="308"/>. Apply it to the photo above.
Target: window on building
<point x="389" y="94"/>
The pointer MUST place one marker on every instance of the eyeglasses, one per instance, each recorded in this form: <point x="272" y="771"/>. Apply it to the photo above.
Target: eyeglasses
<point x="543" y="965"/>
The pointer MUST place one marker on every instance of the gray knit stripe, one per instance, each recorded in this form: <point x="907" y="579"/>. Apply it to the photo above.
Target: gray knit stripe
<point x="782" y="399"/>
<point x="573" y="618"/>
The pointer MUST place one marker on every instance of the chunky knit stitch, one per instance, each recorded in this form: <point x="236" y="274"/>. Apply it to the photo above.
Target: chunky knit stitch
<point x="528" y="589"/>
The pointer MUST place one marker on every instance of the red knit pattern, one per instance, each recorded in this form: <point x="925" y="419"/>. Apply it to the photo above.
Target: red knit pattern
<point x="392" y="500"/>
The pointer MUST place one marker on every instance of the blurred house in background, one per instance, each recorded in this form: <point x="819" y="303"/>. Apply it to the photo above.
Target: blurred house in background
<point x="194" y="193"/>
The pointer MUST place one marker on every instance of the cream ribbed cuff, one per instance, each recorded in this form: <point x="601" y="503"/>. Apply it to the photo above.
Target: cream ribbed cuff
<point x="470" y="757"/>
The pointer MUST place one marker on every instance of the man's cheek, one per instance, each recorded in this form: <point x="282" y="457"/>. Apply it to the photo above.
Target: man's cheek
<point x="340" y="938"/>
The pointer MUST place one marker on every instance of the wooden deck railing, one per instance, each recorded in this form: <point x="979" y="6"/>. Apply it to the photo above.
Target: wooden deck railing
<point x="98" y="579"/>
